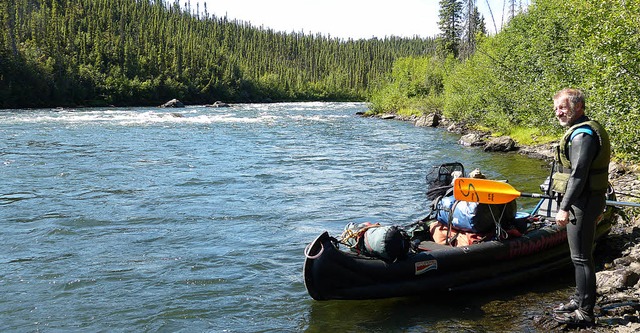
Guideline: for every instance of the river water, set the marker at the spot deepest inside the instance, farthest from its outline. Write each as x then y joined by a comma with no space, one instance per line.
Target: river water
195,219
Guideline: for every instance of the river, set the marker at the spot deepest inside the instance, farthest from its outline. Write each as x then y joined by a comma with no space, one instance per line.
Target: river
195,219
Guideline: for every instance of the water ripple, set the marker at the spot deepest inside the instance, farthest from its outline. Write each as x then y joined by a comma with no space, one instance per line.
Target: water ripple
9,198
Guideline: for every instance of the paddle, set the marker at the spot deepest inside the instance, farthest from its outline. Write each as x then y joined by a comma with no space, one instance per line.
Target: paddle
496,192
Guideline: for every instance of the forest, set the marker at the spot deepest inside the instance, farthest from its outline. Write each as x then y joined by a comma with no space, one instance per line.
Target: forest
145,52
506,82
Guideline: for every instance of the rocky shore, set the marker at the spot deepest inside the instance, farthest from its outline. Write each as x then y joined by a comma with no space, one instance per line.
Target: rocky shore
617,258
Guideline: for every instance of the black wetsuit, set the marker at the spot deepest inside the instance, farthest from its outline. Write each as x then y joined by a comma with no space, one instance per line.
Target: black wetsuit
586,207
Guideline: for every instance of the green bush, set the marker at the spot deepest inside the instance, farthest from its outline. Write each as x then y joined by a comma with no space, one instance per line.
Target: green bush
416,84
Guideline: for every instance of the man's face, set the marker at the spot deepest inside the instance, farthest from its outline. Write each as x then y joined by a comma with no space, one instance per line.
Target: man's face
564,112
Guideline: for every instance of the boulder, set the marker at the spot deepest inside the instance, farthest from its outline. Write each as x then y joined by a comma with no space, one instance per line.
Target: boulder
611,281
174,103
501,144
543,151
430,120
219,104
456,128
471,140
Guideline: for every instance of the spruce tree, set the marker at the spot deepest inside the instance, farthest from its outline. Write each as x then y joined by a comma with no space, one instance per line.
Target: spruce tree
450,25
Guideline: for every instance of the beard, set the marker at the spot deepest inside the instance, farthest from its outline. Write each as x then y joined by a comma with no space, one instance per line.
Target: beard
567,119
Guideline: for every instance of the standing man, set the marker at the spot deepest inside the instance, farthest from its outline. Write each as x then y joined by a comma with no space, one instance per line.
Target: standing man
581,181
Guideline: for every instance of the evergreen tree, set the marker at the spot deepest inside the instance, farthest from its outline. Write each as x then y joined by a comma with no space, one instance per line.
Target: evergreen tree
450,25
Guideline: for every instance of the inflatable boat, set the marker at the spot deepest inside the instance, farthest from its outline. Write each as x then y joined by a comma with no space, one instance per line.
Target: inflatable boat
333,270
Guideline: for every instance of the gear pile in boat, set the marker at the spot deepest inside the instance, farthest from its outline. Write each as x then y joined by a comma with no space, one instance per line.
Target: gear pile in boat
450,222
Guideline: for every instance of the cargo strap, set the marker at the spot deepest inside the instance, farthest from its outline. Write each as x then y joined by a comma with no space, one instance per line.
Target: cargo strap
500,232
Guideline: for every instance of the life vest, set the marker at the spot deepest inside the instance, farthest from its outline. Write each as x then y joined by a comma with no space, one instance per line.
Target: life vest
599,169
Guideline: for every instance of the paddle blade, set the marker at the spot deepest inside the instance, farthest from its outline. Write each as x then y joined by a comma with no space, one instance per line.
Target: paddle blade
483,191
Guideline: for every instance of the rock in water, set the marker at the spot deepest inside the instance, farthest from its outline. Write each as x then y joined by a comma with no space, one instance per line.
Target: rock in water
174,103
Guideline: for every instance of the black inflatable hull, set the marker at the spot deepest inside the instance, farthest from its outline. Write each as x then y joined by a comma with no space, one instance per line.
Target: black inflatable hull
330,273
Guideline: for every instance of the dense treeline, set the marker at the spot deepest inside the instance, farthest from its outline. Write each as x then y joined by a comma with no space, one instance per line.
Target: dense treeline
139,52
507,84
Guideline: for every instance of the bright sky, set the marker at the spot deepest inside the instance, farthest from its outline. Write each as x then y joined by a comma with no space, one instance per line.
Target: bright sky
346,18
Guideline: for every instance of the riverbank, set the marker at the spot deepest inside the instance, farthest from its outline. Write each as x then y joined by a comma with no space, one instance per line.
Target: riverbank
618,257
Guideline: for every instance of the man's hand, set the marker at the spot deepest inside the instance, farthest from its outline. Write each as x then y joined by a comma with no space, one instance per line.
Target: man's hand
562,217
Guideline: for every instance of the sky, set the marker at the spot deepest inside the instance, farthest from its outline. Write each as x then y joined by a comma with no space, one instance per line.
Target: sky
345,19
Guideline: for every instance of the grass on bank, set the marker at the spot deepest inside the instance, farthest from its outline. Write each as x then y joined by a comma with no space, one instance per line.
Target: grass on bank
530,136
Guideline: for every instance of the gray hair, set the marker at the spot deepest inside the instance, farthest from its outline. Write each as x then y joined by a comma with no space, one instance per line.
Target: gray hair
576,97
